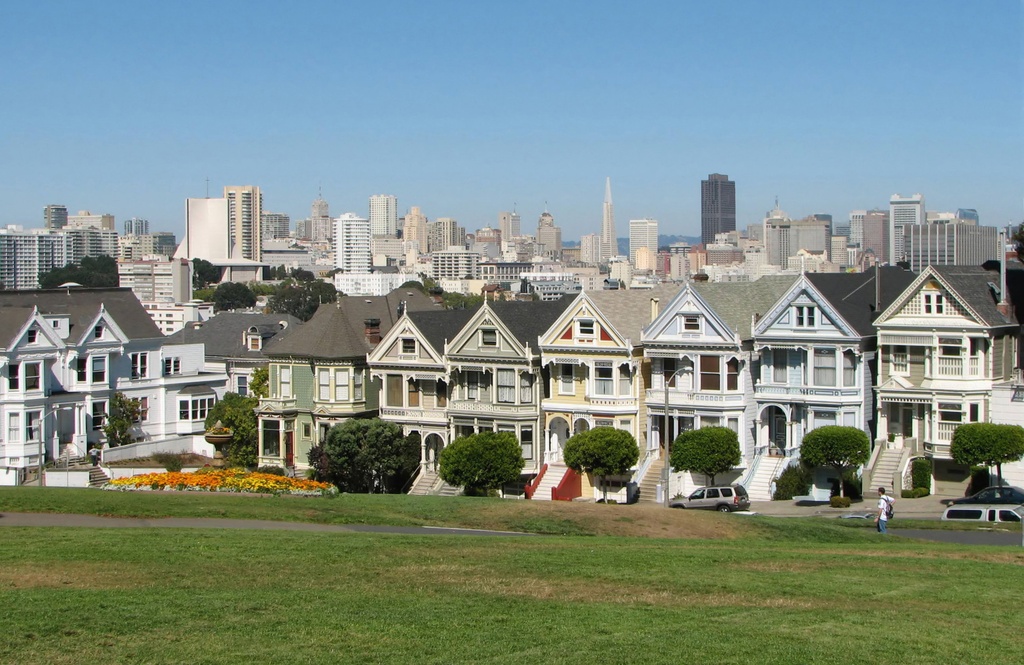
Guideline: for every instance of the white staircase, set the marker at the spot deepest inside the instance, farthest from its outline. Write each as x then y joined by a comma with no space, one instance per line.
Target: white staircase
759,486
883,472
428,482
551,478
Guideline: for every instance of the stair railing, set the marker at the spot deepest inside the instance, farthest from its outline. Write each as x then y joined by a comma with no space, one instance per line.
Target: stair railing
532,486
569,488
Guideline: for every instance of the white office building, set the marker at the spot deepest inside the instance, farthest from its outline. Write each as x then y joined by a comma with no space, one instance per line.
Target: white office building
642,233
384,215
903,210
352,243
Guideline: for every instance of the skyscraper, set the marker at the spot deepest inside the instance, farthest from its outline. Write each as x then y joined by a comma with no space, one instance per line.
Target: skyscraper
136,227
549,235
245,217
55,216
274,225
717,206
352,252
642,233
903,210
609,243
414,233
384,215
508,224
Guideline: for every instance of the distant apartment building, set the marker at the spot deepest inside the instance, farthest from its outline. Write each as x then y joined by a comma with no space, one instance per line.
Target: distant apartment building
245,216
590,249
274,225
384,215
874,237
903,211
24,255
414,231
55,216
86,220
455,263
784,237
717,206
509,224
136,226
444,232
156,278
87,241
132,247
949,243
549,235
643,233
352,244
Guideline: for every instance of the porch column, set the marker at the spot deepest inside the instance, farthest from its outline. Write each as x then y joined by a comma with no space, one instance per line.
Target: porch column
423,451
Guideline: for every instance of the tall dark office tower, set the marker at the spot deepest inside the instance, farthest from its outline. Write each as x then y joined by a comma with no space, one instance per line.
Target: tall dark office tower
717,206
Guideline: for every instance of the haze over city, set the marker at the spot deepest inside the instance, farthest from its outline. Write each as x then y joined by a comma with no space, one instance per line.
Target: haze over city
468,109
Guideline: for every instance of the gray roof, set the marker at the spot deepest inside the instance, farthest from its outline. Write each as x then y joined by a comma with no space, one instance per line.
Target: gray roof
737,302
529,320
338,330
81,305
977,287
629,311
441,325
853,294
224,334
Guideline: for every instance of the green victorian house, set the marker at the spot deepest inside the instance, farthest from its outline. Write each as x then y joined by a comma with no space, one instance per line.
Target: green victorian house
319,377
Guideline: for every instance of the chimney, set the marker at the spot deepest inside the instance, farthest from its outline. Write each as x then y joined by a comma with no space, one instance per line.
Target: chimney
372,331
654,308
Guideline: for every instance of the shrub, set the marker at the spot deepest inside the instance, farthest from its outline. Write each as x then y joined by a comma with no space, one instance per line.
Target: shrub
839,502
603,452
907,494
837,447
708,450
921,473
481,462
272,470
169,461
987,444
919,492
795,480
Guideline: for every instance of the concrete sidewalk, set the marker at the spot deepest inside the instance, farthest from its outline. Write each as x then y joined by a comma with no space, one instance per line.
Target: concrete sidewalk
929,507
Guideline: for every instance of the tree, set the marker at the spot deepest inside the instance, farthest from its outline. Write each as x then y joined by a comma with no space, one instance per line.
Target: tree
259,382
238,413
836,447
302,275
365,455
92,271
232,295
988,444
204,273
482,462
302,300
708,450
603,452
124,413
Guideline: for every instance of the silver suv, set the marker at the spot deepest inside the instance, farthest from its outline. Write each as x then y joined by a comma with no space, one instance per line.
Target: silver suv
723,499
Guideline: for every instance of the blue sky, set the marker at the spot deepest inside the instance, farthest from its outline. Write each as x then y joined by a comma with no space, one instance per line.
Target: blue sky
466,108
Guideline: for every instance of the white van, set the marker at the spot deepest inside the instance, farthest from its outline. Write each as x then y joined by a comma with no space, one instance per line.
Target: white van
981,513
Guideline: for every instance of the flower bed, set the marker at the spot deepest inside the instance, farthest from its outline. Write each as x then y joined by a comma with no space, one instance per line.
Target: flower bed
221,480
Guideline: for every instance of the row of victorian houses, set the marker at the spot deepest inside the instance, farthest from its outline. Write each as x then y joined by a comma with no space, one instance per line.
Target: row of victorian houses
904,357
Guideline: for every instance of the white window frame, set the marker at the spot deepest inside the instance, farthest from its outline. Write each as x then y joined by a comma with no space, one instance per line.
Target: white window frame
323,383
822,369
357,384
505,381
604,386
98,369
489,338
691,323
26,376
284,381
899,360
14,427
805,316
567,387
586,328
140,365
408,347
33,426
99,415
341,385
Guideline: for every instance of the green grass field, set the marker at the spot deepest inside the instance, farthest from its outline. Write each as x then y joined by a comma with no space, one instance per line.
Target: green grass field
735,590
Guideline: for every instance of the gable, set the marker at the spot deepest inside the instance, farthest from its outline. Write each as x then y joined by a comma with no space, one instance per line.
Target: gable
688,318
103,330
486,335
582,325
930,301
36,334
803,311
404,344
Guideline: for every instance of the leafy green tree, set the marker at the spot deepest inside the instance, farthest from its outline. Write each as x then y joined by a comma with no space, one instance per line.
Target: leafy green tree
302,275
987,444
238,413
481,462
460,301
206,295
836,447
124,414
603,452
233,295
259,382
708,450
302,300
204,274
95,271
366,455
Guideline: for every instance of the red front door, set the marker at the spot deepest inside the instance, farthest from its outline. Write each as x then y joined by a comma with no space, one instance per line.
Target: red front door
289,450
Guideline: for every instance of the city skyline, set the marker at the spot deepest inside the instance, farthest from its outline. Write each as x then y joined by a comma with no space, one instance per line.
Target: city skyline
497,126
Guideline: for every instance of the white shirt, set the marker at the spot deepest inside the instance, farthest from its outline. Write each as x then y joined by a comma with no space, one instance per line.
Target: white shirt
883,507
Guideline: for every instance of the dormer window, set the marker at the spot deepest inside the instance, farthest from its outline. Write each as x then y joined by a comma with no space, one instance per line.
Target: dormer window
691,323
32,337
408,346
489,338
585,328
805,316
255,342
97,332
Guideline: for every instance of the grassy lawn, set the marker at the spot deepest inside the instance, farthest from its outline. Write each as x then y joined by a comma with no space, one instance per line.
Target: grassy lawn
788,594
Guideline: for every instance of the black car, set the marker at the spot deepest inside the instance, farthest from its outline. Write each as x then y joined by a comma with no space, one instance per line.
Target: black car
1001,495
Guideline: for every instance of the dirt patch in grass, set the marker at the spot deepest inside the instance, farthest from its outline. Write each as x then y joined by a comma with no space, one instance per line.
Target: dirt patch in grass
187,459
81,576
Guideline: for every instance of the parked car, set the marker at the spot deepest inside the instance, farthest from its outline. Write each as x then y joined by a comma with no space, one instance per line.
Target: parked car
723,499
976,512
1000,495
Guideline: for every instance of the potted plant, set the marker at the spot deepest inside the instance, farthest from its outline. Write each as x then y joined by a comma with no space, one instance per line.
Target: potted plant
218,435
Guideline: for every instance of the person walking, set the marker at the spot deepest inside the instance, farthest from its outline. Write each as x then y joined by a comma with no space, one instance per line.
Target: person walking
94,455
882,518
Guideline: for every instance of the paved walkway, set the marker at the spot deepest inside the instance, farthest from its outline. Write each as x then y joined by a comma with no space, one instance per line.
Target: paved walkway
929,507
95,521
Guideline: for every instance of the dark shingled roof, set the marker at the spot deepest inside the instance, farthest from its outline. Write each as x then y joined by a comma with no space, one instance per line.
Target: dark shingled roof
441,325
971,284
224,334
337,330
529,320
81,305
630,310
737,302
853,294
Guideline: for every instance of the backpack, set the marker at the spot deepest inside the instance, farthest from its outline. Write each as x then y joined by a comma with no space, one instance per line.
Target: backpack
889,510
